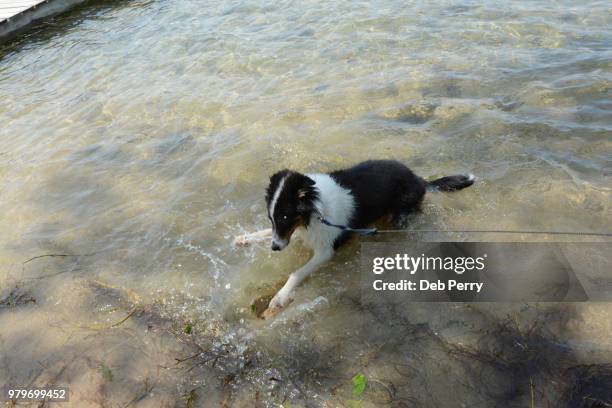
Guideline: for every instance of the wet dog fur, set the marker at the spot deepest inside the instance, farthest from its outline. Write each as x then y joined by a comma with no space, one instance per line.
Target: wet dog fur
356,197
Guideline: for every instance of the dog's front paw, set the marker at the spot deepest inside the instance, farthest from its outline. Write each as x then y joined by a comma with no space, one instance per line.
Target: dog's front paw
241,241
277,304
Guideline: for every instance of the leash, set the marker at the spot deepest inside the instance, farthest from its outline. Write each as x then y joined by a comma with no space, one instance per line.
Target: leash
374,231
360,231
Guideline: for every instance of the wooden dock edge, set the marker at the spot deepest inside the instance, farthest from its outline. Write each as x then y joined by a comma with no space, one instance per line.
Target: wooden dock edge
21,22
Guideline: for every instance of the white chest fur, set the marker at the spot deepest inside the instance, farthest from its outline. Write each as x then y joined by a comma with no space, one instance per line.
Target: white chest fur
335,204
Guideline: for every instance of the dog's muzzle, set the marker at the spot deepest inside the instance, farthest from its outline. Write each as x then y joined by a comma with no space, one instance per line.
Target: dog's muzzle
278,244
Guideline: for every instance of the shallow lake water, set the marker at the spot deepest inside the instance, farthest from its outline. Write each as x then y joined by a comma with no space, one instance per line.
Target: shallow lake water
136,140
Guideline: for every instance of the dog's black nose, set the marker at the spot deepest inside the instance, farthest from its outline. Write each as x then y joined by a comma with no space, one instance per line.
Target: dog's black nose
276,247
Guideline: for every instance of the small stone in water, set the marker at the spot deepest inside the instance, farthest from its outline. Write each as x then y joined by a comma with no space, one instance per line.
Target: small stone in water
260,305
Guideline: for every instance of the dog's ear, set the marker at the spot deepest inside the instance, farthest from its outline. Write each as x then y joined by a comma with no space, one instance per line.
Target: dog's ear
306,187
306,194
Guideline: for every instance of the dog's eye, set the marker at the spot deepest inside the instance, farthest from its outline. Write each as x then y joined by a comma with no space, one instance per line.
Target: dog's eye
283,220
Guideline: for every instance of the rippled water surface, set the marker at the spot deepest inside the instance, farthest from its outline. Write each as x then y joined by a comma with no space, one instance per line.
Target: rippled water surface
137,137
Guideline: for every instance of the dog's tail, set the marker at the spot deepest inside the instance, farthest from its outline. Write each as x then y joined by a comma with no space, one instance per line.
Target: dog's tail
451,183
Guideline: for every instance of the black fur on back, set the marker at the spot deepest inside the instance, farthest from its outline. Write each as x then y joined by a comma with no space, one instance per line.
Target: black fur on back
380,188
388,188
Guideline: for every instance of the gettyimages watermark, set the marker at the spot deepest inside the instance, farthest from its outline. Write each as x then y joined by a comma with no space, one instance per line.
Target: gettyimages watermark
487,272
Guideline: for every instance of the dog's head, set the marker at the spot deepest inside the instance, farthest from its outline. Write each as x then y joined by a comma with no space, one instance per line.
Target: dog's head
290,199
